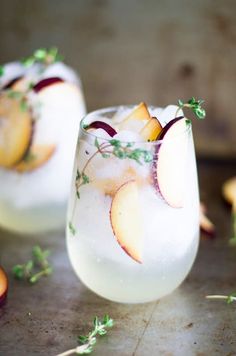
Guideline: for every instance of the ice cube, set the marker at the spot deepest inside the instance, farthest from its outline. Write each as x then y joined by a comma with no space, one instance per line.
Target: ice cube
168,114
61,70
121,114
11,71
128,136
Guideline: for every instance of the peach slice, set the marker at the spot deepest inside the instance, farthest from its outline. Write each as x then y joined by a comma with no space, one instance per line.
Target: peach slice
125,219
37,156
205,223
136,119
169,166
16,127
229,191
20,84
46,82
151,130
3,286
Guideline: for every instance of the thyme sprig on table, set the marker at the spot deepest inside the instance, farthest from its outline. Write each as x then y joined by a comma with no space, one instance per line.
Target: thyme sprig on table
113,148
194,105
44,56
87,342
232,240
35,268
228,298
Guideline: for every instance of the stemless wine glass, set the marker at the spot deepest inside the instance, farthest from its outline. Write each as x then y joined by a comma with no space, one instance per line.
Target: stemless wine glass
133,216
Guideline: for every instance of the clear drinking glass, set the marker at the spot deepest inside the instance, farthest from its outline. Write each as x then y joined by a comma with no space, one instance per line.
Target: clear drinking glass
133,216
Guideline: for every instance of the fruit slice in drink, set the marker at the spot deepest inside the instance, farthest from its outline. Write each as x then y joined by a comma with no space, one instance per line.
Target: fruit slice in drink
169,165
151,130
35,158
15,130
126,219
136,120
3,286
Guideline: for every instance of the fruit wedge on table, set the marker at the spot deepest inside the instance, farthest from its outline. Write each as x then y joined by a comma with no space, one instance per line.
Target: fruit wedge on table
136,120
151,130
35,158
169,165
16,128
125,219
3,286
205,223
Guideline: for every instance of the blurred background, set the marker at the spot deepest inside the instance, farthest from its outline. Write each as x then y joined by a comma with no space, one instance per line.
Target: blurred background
156,51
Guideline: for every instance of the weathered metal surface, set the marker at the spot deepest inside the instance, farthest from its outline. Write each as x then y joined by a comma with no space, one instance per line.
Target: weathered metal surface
184,323
128,51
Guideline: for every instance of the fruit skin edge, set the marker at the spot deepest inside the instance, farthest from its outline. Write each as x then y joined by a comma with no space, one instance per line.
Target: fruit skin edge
155,160
3,297
112,224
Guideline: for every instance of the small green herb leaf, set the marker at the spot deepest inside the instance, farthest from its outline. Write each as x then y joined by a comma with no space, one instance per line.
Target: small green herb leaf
1,71
194,105
87,342
72,228
44,56
34,269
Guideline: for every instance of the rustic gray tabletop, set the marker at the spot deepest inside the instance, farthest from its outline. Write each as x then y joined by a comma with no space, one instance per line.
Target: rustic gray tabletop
45,319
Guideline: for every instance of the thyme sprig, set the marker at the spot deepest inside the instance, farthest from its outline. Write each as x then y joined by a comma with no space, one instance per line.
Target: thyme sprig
232,240
35,268
228,298
87,342
194,105
1,71
113,148
18,95
44,56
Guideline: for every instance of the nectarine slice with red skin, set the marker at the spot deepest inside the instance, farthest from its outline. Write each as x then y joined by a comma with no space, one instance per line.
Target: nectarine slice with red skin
151,130
206,225
140,114
16,127
46,82
11,83
3,286
125,219
229,191
102,125
37,156
169,162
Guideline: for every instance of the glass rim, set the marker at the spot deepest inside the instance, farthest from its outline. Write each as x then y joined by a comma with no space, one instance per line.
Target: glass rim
85,133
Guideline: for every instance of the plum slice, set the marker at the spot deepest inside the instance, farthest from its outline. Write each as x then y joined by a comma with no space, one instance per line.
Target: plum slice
137,119
125,216
102,125
3,286
11,83
205,223
46,82
16,128
35,158
169,163
151,130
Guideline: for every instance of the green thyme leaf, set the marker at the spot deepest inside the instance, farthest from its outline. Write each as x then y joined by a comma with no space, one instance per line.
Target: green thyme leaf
194,105
96,143
44,56
85,178
72,228
1,71
34,269
23,105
